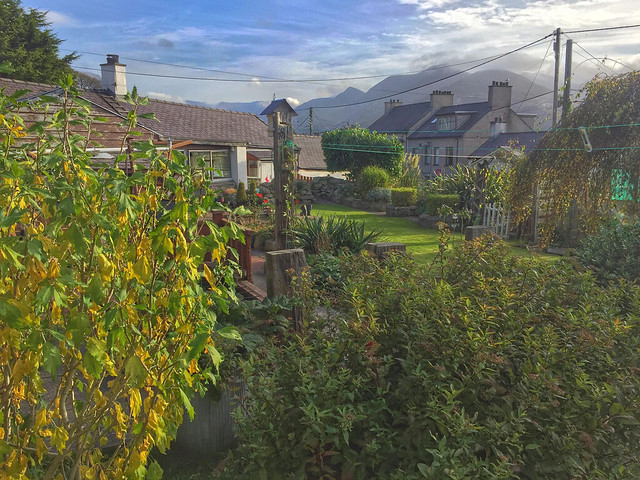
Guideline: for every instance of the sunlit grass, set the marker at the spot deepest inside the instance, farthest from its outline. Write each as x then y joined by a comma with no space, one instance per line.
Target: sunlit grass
421,242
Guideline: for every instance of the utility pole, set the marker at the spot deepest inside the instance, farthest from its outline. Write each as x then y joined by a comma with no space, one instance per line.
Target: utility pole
310,120
566,98
556,50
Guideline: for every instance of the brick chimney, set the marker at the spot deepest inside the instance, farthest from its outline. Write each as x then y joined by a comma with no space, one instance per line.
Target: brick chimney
114,76
391,104
439,99
499,95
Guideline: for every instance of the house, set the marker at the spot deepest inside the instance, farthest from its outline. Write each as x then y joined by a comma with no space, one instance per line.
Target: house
452,133
219,137
402,120
511,143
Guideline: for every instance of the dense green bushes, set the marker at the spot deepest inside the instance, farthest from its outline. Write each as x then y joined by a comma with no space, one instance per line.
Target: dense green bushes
491,367
321,235
614,251
371,177
404,196
432,202
352,149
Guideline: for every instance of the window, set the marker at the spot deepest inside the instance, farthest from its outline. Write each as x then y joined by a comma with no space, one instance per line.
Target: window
214,163
436,155
252,167
446,123
449,156
427,153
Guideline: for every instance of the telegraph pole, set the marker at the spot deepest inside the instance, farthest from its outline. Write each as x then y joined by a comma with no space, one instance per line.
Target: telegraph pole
556,50
566,98
310,120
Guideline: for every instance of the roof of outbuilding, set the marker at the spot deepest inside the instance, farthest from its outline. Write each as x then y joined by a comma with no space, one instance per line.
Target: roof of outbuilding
400,119
428,128
311,154
528,140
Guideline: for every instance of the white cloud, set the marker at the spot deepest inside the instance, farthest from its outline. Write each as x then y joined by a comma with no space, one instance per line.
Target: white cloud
166,97
294,102
59,19
427,4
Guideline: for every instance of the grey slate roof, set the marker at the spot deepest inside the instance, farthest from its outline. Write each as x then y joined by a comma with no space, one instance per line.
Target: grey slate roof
428,129
280,105
175,121
311,155
401,119
528,140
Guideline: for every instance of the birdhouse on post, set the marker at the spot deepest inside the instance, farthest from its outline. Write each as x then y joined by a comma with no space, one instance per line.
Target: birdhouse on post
280,115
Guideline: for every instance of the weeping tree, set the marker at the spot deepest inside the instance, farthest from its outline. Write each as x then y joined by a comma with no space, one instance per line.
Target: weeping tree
589,165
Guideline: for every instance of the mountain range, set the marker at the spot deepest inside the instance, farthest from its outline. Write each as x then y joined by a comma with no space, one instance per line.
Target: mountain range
353,106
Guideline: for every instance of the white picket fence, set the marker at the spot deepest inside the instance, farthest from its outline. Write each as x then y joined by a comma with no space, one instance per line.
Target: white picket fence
496,218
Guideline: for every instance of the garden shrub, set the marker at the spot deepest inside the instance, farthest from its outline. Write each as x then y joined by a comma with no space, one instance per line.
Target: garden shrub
491,367
371,177
411,175
613,252
102,310
432,202
403,197
241,194
252,189
321,235
325,271
378,194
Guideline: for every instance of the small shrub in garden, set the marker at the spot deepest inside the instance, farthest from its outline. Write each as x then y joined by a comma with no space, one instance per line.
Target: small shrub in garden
371,177
241,194
325,271
497,368
613,252
252,190
403,197
411,175
379,194
432,202
321,235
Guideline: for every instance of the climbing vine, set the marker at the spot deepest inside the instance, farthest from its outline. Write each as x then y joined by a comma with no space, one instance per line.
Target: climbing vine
591,161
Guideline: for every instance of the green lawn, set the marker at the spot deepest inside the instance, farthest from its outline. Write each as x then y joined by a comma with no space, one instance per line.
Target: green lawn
421,242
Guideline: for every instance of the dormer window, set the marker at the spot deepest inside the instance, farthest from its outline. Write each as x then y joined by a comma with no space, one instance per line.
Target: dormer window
447,123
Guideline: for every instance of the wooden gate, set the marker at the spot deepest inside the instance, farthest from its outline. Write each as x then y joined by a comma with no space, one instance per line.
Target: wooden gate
496,218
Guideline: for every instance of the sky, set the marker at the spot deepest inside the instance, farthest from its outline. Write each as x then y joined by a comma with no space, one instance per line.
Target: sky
330,41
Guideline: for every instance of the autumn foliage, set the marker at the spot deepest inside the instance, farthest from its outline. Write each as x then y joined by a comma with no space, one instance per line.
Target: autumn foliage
103,316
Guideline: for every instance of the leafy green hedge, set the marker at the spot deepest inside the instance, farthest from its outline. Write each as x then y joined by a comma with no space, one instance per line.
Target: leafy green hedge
493,367
371,177
614,251
433,201
404,196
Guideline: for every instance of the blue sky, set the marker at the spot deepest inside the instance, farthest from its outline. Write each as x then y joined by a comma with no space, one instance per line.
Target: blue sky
328,39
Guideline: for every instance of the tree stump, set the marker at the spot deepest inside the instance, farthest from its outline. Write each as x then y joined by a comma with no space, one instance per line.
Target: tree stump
280,266
380,249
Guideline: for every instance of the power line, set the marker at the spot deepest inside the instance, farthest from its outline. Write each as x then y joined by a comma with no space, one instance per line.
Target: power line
284,80
536,76
255,78
620,27
443,78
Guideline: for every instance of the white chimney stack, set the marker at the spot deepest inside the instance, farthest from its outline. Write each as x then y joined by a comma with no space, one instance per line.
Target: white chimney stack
114,76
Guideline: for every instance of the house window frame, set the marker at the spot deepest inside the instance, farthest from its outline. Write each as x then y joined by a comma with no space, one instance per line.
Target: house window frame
436,156
212,170
449,156
446,123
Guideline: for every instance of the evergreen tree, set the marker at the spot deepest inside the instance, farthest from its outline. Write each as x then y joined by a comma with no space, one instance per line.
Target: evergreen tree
29,45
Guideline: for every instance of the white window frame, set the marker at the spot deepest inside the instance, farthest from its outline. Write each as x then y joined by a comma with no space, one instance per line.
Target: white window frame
211,170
